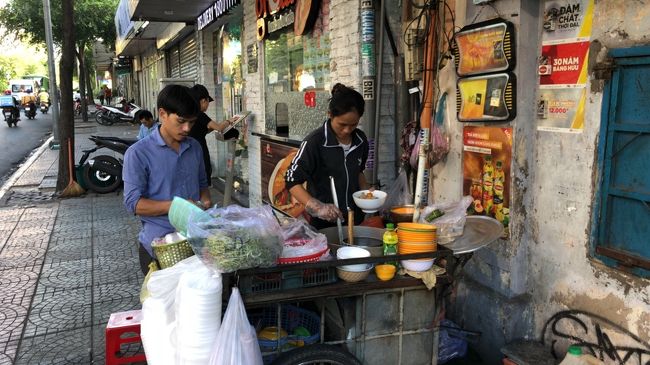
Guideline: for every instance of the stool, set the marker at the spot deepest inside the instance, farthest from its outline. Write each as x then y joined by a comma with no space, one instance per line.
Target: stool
123,328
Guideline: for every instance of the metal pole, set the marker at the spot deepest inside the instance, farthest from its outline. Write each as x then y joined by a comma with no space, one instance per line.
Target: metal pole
380,70
54,96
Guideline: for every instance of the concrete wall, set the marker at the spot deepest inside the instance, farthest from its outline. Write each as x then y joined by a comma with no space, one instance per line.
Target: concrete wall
513,287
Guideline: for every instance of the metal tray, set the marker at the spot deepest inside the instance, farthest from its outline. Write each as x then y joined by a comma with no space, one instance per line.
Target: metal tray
479,232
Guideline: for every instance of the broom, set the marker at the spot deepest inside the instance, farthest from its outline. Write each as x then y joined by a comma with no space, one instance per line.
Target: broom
73,189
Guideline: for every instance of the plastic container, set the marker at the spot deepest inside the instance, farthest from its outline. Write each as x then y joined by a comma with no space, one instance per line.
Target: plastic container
390,240
290,279
575,356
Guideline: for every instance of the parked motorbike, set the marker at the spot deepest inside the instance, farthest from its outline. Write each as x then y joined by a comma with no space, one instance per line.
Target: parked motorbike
10,116
109,115
103,173
30,110
44,108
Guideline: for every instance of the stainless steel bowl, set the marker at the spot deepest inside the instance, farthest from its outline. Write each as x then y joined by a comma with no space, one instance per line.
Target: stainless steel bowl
369,238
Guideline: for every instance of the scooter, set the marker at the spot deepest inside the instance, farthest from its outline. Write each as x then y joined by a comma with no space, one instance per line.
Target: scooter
30,110
10,116
109,115
44,108
103,173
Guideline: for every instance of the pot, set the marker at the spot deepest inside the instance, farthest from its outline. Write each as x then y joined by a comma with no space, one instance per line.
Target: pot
402,213
366,237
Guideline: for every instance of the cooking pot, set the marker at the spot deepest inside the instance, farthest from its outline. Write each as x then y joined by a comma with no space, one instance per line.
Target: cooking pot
369,238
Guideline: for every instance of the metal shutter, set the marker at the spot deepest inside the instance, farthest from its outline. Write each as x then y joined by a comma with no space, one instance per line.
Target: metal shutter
189,58
174,62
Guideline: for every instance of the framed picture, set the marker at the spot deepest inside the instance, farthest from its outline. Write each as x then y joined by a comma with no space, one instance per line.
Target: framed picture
486,98
484,47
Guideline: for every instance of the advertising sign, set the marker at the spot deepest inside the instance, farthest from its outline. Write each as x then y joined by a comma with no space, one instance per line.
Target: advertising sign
276,158
567,61
567,21
484,47
561,110
486,98
487,156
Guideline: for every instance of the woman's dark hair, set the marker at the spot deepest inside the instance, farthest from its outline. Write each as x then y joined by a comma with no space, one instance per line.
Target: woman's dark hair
178,99
344,100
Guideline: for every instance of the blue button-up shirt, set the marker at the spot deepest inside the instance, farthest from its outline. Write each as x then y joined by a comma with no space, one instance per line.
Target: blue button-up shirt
144,131
155,171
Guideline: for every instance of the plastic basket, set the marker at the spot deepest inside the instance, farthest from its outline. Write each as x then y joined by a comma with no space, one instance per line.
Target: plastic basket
171,253
291,279
291,318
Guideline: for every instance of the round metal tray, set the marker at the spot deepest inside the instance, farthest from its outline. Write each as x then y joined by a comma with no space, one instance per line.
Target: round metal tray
479,232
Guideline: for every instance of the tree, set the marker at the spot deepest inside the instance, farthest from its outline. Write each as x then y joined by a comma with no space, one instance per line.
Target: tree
66,129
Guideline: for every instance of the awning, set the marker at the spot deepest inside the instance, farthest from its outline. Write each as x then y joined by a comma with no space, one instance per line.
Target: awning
168,10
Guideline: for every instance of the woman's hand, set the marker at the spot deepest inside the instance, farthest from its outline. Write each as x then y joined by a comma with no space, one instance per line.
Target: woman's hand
328,212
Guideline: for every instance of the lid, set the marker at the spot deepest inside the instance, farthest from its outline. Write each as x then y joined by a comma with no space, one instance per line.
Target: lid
574,350
390,226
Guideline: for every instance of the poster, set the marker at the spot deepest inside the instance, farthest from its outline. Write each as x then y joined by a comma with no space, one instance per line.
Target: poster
561,109
567,21
276,158
487,156
567,61
483,48
486,98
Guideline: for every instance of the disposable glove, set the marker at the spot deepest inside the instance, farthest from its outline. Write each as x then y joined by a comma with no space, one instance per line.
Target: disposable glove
328,212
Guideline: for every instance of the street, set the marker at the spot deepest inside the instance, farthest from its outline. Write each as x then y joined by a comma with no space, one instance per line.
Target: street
17,142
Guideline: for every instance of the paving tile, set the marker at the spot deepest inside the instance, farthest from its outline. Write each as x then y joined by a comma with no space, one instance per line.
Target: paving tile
16,257
61,348
12,321
58,310
72,234
115,297
30,231
69,250
17,286
70,274
9,353
35,240
11,214
111,269
46,211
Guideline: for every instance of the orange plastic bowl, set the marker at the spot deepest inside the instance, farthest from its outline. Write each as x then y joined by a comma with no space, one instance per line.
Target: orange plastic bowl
416,237
416,227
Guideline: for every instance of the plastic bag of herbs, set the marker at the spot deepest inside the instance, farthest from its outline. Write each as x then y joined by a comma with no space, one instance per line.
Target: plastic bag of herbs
236,238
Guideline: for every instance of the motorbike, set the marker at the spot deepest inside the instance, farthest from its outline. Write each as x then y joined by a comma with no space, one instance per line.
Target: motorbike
44,108
120,113
103,173
30,110
77,106
10,116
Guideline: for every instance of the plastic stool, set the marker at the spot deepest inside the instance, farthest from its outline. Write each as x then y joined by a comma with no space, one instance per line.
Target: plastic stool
123,328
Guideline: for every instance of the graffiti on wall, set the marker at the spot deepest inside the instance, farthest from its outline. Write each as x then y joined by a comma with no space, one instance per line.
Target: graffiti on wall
594,334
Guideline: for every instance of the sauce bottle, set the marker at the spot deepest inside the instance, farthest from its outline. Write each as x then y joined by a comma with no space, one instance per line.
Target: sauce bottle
390,242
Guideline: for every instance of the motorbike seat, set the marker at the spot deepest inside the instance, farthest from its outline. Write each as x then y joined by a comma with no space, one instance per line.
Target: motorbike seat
126,141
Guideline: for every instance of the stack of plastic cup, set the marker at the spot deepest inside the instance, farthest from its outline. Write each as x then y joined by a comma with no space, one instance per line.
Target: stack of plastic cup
198,316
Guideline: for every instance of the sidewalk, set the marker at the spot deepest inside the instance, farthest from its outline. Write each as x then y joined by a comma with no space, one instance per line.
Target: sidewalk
65,264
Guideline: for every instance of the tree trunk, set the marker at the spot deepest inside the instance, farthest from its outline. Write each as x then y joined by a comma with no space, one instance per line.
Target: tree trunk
90,83
66,117
82,81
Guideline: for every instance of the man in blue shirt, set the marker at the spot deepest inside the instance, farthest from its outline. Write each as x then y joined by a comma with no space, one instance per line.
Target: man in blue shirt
147,124
164,165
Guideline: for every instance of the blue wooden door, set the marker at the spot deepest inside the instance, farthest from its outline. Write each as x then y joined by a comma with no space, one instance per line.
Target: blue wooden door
623,224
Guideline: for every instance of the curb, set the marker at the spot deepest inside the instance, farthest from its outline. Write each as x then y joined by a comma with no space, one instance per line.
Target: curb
21,170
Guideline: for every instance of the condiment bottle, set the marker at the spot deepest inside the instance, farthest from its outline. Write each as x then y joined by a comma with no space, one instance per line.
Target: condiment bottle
390,242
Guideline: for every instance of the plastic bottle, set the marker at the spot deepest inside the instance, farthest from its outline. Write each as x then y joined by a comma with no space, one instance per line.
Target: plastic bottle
390,242
575,356
488,185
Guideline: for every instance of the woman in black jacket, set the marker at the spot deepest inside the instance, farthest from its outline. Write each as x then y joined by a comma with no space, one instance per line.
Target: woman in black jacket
338,149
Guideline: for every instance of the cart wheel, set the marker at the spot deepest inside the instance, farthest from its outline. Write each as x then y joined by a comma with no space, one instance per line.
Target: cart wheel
317,354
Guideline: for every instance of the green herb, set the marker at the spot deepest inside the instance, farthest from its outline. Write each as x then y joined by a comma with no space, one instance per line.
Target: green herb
437,213
230,250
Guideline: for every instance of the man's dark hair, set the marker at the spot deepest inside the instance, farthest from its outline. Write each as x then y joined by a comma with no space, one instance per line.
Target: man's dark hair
178,99
143,114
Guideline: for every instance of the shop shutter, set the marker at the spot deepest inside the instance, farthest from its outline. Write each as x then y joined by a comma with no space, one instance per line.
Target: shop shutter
189,57
622,228
174,62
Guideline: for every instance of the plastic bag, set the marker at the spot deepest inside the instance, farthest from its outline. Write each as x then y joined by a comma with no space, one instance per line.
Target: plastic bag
236,238
299,240
450,345
451,224
236,342
439,137
144,292
399,193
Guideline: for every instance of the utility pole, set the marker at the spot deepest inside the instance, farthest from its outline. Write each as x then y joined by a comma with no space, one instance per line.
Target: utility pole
54,90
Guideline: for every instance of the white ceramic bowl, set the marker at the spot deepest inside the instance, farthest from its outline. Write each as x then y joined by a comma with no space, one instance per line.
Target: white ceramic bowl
417,265
351,252
370,205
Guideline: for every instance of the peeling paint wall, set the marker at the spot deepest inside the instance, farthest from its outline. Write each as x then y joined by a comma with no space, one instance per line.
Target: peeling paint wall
546,263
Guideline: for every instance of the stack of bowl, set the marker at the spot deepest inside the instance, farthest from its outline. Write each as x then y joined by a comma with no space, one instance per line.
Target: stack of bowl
416,238
353,273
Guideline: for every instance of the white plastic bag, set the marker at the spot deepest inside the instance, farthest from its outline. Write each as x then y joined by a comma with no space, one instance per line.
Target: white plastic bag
299,240
451,224
399,193
237,341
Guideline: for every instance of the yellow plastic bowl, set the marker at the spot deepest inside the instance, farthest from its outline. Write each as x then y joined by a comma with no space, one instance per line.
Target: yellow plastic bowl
416,227
385,272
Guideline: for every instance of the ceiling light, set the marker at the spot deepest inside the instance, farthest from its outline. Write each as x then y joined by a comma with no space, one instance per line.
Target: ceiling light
168,12
145,24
